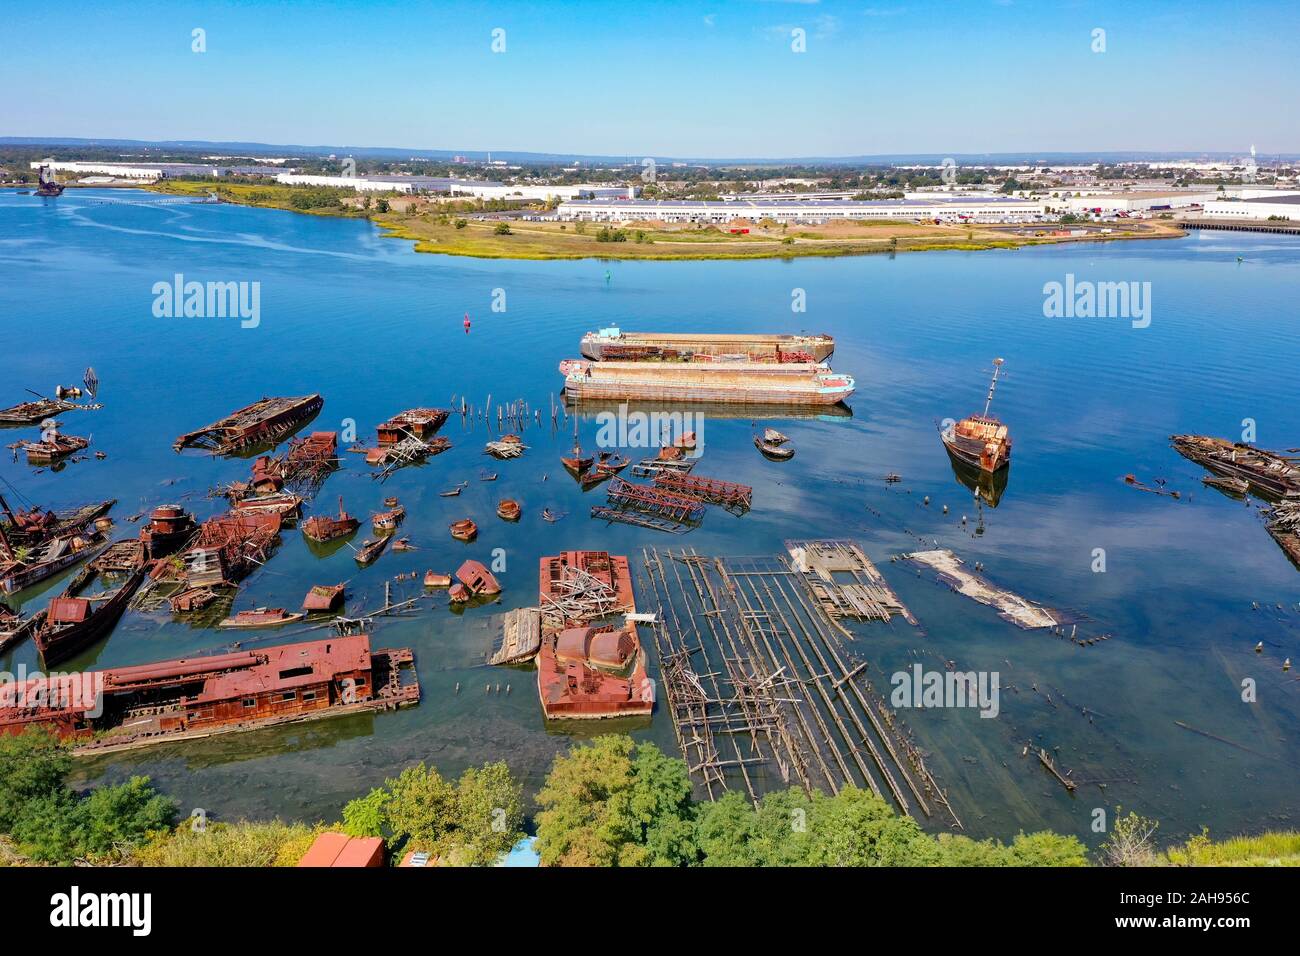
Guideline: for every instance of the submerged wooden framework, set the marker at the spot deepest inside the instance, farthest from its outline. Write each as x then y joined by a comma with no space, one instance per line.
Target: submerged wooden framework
763,692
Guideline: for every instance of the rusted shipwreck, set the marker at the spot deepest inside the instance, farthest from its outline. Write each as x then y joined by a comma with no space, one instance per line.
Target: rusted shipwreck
264,422
188,698
1272,475
589,667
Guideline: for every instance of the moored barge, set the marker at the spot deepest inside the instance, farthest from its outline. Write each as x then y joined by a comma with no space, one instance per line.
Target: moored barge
195,697
264,422
613,344
797,383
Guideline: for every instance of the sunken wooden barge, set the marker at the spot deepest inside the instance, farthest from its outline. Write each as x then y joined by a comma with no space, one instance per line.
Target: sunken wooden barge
613,344
761,383
1271,475
189,698
264,422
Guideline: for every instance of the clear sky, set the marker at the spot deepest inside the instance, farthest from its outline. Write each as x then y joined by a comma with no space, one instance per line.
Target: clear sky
645,78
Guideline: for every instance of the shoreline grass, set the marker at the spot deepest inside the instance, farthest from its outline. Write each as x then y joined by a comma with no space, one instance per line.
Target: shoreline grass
431,231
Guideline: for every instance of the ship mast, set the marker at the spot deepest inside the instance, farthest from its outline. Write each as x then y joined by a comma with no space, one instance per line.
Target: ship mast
997,367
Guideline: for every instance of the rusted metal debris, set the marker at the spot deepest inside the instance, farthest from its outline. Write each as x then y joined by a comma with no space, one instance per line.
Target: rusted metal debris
420,423
654,502
408,451
1272,474
730,495
264,422
653,467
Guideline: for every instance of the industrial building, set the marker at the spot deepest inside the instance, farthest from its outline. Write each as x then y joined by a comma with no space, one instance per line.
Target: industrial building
1110,203
963,208
1259,207
476,188
153,171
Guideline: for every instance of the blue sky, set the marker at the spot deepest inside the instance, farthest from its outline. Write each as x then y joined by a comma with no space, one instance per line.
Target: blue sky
665,78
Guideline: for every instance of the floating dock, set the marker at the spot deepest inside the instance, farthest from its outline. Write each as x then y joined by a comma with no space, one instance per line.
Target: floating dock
753,383
613,344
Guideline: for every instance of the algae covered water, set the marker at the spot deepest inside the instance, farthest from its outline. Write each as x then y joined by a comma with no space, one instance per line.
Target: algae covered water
1175,716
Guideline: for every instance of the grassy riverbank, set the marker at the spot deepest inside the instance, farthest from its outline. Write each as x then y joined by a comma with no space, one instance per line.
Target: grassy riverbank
434,229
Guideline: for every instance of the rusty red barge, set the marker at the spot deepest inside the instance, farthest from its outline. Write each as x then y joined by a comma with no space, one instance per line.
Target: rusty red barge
195,697
264,422
587,670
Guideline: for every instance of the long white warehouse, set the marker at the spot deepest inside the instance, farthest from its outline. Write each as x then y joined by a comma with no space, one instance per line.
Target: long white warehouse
968,208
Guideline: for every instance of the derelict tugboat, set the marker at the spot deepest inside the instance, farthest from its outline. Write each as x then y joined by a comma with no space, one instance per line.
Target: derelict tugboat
47,185
980,441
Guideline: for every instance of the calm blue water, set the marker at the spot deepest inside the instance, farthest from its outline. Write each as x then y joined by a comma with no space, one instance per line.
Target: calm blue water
376,328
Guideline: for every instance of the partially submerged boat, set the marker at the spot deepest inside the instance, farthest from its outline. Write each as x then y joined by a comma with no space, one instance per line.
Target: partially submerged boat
283,503
774,451
509,510
323,528
388,520
33,413
475,576
370,550
22,567
261,617
35,524
206,695
92,604
432,579
324,597
264,422
1273,475
1227,483
16,628
464,530
419,423
980,440
53,447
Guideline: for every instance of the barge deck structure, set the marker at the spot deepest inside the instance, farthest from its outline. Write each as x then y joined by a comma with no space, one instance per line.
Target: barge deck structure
421,423
265,422
587,667
189,698
33,413
613,344
1272,475
754,383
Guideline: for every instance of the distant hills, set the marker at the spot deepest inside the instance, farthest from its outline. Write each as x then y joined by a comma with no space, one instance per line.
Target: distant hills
478,155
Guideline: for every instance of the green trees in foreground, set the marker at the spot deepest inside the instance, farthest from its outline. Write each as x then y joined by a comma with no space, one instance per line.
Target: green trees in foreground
48,822
610,802
615,803
470,822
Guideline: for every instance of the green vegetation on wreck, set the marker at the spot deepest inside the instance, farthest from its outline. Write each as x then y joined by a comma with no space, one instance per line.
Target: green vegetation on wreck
610,802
